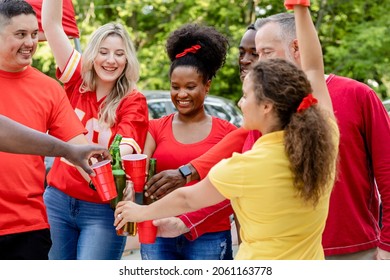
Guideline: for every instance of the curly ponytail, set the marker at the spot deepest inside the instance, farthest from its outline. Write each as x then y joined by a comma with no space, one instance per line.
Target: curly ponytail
308,134
309,146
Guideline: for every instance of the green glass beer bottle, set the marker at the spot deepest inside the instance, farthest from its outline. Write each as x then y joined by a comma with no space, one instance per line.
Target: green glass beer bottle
120,183
151,171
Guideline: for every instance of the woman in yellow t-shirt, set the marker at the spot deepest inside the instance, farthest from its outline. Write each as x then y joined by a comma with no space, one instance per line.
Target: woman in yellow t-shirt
280,189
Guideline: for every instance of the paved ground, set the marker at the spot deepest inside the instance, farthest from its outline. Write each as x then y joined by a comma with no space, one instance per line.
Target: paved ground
132,246
134,254
131,255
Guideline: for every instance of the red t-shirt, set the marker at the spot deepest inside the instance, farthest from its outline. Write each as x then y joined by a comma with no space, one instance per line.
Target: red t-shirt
46,109
171,154
132,123
364,168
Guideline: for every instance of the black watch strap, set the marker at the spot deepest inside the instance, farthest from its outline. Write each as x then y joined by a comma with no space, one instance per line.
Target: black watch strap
186,173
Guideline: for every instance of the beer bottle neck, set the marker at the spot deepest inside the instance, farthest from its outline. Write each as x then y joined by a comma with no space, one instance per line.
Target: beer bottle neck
116,161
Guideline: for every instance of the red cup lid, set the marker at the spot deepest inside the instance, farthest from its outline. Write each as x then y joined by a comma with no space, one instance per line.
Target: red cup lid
134,157
100,163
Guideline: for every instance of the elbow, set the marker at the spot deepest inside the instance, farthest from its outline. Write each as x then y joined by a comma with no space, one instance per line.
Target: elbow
46,23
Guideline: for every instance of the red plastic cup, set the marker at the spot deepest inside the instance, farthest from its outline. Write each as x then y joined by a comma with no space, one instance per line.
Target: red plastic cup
104,180
147,232
135,168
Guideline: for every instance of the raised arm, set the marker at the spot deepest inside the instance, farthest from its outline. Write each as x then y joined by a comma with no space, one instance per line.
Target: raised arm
54,32
311,56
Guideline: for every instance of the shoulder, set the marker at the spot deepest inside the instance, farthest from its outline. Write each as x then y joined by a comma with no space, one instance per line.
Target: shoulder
42,76
346,84
156,125
163,120
135,95
133,101
344,90
45,82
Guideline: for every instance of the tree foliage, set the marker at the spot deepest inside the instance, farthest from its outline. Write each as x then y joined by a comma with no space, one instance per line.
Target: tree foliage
355,35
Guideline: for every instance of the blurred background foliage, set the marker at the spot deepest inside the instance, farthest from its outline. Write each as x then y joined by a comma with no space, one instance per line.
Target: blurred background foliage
355,35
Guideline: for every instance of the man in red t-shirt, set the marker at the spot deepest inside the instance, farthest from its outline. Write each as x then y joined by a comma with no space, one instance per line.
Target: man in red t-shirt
39,102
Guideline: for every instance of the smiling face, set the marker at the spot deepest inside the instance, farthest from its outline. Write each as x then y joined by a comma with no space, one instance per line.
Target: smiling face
247,52
110,61
188,90
269,44
249,106
19,41
258,114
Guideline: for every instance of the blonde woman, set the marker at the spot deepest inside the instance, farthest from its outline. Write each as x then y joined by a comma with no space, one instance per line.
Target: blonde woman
101,86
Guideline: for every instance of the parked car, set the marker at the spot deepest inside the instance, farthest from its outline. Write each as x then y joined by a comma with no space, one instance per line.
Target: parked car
160,104
386,103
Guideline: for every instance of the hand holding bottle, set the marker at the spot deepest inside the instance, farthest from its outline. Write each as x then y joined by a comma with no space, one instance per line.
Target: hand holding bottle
120,182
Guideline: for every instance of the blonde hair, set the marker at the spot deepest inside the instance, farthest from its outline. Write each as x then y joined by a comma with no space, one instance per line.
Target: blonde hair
125,83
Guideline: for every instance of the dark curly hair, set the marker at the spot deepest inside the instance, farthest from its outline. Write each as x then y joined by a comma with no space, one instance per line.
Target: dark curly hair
308,134
208,59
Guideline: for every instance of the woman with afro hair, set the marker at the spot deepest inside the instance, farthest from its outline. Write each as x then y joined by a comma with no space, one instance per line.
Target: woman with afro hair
196,53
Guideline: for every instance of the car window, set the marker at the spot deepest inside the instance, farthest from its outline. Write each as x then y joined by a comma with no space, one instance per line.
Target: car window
387,106
218,111
159,108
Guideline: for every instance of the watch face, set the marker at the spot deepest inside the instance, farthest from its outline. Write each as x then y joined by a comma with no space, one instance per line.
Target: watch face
185,171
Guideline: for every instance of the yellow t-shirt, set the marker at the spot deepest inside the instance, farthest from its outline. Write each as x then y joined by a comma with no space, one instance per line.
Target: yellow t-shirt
275,222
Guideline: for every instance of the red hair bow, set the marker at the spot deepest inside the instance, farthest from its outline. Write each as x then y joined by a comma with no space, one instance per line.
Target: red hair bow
193,49
306,102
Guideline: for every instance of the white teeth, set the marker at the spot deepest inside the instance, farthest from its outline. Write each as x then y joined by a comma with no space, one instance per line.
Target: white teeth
25,52
109,68
183,102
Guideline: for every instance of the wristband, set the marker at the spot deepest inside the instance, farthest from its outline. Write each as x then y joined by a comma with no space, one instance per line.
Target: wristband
289,4
186,172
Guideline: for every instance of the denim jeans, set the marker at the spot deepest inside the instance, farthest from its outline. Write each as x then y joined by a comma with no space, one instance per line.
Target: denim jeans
80,229
209,246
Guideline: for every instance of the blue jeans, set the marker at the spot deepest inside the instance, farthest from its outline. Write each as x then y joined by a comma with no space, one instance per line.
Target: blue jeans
81,230
209,246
